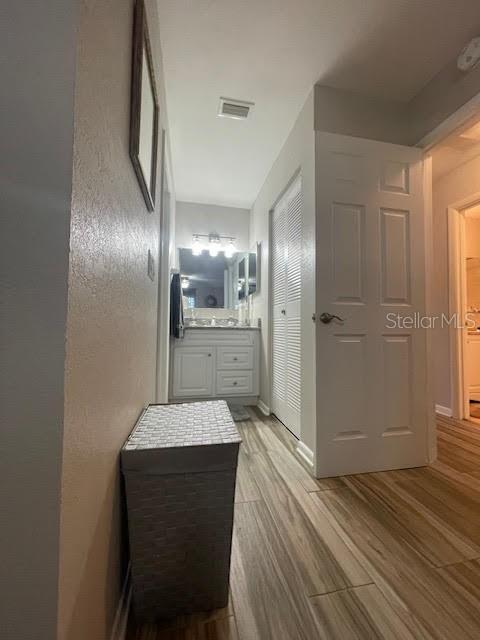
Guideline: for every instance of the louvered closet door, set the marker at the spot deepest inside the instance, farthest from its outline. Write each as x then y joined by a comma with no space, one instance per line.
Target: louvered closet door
286,305
279,293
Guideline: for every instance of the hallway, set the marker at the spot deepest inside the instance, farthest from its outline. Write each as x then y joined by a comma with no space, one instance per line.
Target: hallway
384,555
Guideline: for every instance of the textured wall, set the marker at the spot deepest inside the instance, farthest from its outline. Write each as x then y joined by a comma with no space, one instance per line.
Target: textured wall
36,133
111,334
297,153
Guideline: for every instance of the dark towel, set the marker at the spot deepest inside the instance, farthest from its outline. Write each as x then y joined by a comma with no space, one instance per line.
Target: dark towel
176,307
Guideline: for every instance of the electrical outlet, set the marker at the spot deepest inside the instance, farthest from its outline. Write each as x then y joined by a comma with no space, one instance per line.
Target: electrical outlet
151,266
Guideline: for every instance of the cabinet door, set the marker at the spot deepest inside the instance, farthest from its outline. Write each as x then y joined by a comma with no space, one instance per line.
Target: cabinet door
473,367
193,372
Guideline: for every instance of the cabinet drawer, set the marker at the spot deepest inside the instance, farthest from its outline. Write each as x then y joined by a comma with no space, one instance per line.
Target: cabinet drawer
235,357
232,383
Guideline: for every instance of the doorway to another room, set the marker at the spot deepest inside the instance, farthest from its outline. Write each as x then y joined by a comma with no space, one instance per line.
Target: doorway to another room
456,235
464,241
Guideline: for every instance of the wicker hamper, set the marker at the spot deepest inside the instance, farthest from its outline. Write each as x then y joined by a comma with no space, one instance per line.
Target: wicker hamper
180,465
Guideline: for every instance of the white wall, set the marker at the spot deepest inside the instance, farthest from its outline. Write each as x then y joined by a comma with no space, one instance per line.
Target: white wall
298,153
36,132
192,217
447,190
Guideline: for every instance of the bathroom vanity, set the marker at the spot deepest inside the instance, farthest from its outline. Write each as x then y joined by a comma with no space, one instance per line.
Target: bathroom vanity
216,362
473,365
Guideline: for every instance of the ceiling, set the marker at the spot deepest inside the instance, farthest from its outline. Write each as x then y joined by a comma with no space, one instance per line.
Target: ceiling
271,52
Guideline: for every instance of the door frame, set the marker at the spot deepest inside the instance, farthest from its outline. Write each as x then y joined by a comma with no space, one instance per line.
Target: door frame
165,262
429,306
456,301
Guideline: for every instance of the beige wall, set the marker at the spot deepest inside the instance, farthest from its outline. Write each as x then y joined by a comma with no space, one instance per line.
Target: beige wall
472,251
472,237
112,305
352,114
36,130
297,153
443,95
192,217
447,190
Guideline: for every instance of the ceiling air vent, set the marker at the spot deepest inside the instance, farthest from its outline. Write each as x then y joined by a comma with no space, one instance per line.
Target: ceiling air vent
236,109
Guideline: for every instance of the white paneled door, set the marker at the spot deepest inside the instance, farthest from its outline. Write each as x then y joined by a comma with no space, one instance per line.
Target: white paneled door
373,409
286,279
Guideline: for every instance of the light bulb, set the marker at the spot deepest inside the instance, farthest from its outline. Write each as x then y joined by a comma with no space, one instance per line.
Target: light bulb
196,246
230,249
214,246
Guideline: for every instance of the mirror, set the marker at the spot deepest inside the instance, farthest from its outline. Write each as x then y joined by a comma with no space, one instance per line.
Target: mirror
217,282
242,280
252,271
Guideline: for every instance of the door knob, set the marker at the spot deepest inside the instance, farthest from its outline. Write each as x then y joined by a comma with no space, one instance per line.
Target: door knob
283,312
326,318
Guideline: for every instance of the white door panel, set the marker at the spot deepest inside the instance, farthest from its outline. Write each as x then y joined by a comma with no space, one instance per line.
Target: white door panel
371,379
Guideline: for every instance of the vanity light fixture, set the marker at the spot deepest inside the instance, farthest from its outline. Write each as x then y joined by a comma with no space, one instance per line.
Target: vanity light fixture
215,243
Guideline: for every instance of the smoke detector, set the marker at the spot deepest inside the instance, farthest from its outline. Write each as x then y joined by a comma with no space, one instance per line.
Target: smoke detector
236,109
470,55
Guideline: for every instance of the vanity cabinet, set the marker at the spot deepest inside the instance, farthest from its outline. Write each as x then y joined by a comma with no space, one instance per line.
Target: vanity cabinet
215,362
473,366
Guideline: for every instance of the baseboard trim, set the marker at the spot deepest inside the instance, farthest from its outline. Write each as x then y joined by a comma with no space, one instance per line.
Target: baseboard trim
119,629
263,408
443,411
305,453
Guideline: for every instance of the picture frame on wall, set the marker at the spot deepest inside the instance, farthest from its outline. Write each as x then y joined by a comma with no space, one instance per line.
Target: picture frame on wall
144,109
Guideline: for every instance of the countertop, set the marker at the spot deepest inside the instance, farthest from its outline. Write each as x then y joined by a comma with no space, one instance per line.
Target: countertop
236,327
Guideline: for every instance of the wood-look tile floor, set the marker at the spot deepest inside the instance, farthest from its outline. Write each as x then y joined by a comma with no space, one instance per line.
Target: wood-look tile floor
392,555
